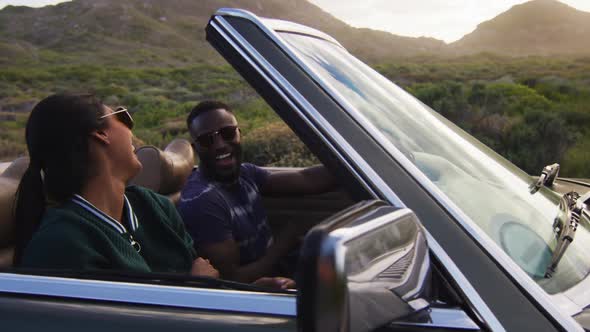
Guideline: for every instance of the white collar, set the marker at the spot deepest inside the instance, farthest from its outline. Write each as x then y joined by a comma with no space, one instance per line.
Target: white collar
129,216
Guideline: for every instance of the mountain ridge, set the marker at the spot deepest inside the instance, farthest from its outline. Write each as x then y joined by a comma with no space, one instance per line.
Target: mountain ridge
165,31
170,33
538,27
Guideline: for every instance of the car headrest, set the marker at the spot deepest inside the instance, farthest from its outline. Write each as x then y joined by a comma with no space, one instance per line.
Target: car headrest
9,181
165,171
16,169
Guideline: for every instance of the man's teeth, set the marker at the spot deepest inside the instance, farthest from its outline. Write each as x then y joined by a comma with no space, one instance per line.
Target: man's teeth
222,156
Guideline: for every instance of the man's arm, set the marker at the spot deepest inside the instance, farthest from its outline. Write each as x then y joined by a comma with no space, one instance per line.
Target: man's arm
225,256
311,180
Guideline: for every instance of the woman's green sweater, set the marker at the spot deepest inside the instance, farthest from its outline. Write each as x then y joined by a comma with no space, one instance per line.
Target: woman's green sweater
70,237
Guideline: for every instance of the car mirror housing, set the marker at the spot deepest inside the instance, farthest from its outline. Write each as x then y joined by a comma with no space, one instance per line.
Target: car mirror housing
363,268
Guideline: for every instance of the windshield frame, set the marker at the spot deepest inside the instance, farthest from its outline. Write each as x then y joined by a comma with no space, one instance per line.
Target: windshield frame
315,53
272,28
317,123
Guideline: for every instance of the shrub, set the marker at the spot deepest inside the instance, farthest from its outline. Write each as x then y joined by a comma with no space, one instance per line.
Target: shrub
276,145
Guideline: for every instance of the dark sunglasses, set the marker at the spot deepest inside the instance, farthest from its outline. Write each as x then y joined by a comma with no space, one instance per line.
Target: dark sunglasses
122,115
228,134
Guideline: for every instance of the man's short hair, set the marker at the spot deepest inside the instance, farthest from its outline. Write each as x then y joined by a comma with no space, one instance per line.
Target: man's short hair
205,106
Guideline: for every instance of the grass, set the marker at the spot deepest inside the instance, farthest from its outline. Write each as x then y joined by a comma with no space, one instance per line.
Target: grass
476,92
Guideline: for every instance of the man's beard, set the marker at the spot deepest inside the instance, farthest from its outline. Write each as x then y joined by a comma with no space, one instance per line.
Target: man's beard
207,166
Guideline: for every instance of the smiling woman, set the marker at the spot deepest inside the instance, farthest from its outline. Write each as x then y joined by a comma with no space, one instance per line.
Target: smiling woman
81,158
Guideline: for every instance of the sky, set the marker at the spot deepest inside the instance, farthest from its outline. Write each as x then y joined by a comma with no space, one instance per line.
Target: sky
448,20
30,3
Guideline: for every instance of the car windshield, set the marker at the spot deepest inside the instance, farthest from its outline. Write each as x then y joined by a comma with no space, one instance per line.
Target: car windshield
487,188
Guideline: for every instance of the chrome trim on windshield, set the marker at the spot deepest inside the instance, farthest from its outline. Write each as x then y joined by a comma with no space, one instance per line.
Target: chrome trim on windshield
278,25
477,304
511,269
177,296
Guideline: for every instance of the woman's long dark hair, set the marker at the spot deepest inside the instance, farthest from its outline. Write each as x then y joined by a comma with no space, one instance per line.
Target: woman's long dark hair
57,135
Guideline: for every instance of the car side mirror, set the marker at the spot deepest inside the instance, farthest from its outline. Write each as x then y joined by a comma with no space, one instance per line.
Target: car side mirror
363,268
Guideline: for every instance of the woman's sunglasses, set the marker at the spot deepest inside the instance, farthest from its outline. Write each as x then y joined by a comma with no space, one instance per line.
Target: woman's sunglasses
122,115
228,134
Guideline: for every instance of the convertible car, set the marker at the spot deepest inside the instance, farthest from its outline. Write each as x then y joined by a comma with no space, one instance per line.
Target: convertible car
432,230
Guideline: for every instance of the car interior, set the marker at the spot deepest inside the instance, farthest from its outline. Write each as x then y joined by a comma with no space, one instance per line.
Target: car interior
165,171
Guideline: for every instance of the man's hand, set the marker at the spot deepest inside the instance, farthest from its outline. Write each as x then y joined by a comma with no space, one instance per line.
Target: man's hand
225,256
275,283
202,267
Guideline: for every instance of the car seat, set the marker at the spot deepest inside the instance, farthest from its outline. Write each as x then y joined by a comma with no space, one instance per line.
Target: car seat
165,171
9,181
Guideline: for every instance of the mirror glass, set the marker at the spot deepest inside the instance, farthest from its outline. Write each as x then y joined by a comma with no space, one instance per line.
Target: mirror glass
363,268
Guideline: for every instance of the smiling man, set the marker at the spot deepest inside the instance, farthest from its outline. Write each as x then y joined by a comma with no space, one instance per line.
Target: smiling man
221,202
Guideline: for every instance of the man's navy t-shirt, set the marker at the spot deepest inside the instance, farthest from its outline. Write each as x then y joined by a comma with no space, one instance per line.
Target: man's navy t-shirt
214,212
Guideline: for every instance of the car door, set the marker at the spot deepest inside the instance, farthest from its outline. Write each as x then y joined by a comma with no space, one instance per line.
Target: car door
330,128
32,302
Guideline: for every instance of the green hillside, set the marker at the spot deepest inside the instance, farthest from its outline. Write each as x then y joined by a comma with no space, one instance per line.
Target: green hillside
169,33
151,56
534,111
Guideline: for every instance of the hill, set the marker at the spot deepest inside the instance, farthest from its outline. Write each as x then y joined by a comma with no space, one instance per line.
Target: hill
151,55
159,32
539,27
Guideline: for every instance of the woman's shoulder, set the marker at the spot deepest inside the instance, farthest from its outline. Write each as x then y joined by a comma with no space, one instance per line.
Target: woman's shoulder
61,224
63,240
63,217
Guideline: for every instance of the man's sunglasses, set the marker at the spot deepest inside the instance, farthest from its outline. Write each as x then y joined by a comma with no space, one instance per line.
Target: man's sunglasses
122,115
228,134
